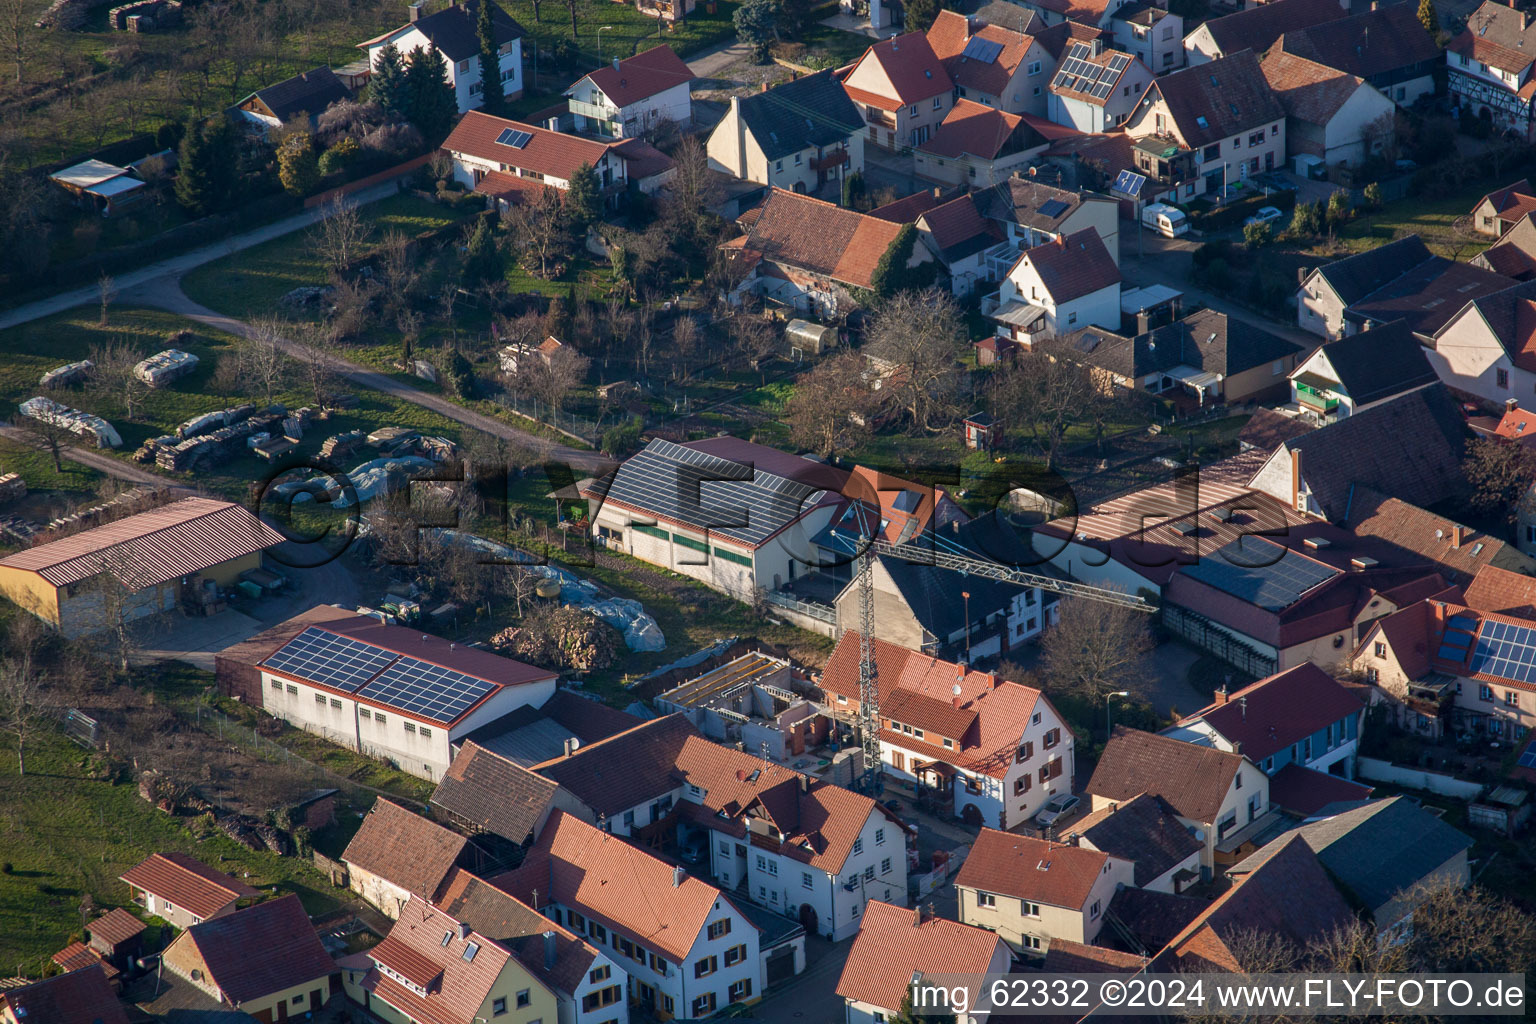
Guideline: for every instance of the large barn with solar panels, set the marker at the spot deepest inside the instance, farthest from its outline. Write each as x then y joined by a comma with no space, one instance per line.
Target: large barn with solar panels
392,692
729,513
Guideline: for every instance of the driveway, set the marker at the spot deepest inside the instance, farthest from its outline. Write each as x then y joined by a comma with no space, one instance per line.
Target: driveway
94,459
811,996
884,169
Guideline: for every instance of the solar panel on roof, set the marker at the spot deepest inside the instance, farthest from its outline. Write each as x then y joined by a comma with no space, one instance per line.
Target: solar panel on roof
1528,759
1457,654
1506,651
431,691
1462,622
1239,570
330,659
1119,62
984,50
1053,208
514,138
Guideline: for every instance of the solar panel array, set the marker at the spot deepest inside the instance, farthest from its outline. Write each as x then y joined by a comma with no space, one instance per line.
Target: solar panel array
514,138
708,492
1457,639
1507,651
1079,73
327,658
984,50
1129,183
430,691
1054,208
374,673
1240,569
1528,759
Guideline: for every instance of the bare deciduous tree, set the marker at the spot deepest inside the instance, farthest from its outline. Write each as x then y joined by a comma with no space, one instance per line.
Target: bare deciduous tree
832,406
551,380
916,336
50,436
1095,648
1045,393
117,607
16,31
22,696
112,375
106,291
264,366
538,231
339,239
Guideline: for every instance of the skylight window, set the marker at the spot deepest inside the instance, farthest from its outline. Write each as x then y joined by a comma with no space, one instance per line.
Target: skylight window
470,951
1201,121
447,938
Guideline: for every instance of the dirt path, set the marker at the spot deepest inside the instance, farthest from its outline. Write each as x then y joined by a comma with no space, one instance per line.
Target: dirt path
95,460
166,294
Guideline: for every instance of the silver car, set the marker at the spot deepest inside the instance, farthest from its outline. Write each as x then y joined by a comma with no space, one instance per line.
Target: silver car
1056,808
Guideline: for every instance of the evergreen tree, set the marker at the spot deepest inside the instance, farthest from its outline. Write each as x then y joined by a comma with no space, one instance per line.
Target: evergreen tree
757,25
583,199
387,86
207,168
891,275
490,58
430,96
1429,17
482,262
298,168
920,14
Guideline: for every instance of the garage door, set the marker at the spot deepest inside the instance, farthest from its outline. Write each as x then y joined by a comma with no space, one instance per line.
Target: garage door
265,1016
781,965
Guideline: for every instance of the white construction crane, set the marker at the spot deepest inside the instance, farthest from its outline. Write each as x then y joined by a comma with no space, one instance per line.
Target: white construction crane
869,684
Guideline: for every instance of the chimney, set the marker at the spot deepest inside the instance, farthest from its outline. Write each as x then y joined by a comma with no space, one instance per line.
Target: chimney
917,915
549,951
463,930
1242,707
1511,404
570,745
1220,697
1237,748
415,10
765,87
1456,535
615,63
1295,475
678,874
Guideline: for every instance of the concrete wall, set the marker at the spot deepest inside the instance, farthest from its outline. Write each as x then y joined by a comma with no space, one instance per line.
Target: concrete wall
1417,778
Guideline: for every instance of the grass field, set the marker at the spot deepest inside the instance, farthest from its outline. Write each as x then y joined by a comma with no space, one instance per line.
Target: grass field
1432,219
250,283
27,351
64,834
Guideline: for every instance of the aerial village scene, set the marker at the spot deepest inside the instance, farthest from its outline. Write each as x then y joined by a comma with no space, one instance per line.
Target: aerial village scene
628,511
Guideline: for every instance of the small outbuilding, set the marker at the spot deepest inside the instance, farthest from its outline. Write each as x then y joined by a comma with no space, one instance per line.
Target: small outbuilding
809,339
97,185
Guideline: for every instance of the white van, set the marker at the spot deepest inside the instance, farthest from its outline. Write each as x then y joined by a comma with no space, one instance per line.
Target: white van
1168,221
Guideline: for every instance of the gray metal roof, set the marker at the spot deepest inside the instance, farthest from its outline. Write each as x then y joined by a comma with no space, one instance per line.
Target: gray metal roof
1383,848
709,493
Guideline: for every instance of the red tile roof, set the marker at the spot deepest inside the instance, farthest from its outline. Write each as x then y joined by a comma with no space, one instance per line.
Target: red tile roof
1067,957
1308,91
891,947
1192,779
619,885
115,927
79,997
1518,425
260,950
1073,265
1497,35
910,64
974,129
1003,709
521,929
816,236
1306,791
511,187
1031,869
553,153
1288,895
77,956
178,539
639,77
1512,201
1279,710
404,848
187,882
1457,551
948,36
643,160
1502,591
1407,630
907,209
415,947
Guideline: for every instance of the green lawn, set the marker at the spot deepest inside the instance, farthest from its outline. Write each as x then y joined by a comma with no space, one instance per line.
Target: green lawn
64,834
1432,219
30,349
36,468
250,283
629,33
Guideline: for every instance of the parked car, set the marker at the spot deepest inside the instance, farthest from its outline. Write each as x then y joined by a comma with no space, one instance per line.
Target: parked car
696,848
1266,215
1056,808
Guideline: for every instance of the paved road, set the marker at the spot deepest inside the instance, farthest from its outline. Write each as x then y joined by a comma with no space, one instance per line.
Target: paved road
717,58
128,284
97,461
811,998
166,293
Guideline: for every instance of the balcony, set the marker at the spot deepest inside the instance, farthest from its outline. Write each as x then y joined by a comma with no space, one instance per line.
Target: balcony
830,159
1315,397
874,116
1164,159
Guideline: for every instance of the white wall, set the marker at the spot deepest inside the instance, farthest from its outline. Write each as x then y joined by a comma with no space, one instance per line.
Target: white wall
593,110
463,75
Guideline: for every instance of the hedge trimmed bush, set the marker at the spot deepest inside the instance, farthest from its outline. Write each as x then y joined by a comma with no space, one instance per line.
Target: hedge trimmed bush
1233,214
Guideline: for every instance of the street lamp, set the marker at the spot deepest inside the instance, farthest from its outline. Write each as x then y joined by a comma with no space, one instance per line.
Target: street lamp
1108,729
600,32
